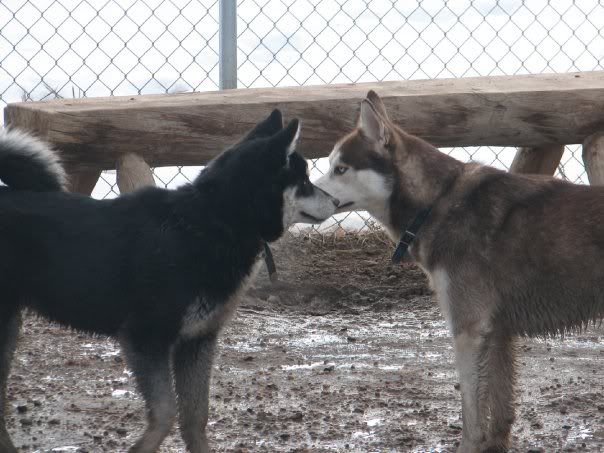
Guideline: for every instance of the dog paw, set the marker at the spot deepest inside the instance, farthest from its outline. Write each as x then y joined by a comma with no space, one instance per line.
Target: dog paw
494,447
468,447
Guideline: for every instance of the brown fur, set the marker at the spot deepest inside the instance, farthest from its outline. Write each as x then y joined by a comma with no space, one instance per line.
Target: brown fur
508,255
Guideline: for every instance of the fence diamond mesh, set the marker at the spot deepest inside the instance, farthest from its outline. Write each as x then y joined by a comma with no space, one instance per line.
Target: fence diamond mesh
82,48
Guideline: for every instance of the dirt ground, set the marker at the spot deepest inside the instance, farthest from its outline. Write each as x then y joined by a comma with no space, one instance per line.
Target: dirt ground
347,352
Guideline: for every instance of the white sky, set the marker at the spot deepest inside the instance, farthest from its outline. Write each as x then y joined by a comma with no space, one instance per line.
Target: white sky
123,47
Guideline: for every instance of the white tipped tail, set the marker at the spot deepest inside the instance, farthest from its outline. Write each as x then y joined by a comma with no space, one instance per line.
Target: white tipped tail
27,163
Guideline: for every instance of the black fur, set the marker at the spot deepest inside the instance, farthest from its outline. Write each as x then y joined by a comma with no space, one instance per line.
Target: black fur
28,164
131,267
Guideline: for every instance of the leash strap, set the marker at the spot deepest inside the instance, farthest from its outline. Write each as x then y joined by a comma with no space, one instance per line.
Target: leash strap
409,235
270,263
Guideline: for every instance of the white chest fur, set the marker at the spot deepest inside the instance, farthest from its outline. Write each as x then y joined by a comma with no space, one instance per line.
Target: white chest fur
205,316
440,282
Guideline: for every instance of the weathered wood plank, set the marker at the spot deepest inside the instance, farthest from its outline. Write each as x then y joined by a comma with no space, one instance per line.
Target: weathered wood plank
593,158
543,160
190,128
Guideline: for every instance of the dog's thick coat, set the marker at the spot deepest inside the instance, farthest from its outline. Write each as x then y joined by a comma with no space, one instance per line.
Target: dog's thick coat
159,270
506,254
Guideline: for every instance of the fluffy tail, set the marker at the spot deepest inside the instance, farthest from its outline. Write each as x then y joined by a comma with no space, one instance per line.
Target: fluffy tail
29,164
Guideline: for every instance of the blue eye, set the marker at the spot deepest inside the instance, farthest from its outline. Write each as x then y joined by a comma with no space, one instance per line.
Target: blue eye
340,170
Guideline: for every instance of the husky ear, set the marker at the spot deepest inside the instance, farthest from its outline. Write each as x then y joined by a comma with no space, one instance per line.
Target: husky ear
287,138
267,127
371,124
378,104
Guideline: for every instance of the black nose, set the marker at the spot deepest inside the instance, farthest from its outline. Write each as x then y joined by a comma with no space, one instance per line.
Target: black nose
335,202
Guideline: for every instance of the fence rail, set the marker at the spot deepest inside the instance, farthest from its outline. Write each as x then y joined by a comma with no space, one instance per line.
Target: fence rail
192,128
80,48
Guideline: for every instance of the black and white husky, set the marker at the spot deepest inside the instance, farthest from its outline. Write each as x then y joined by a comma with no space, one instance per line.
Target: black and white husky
159,270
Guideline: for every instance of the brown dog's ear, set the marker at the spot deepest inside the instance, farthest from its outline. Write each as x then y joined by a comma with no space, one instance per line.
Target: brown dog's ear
378,104
372,125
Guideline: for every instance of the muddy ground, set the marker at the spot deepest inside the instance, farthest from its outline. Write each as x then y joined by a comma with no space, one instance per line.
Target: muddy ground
348,352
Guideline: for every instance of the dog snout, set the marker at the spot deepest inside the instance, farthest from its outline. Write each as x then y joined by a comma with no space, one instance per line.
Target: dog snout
335,202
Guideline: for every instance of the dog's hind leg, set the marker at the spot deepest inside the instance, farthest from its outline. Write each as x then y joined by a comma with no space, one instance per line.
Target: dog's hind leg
150,364
501,364
469,348
10,323
192,361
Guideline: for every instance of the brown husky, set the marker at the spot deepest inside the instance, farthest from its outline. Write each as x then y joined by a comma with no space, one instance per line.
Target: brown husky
506,254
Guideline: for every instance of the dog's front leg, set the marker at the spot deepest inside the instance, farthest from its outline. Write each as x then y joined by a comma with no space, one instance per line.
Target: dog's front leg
469,347
192,362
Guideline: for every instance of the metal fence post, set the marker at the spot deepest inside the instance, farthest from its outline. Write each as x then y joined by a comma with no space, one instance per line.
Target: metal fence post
227,44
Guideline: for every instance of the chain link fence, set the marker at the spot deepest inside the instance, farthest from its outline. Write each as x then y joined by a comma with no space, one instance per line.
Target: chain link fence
80,48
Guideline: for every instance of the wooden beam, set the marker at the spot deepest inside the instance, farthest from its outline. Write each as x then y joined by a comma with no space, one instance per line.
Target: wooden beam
191,128
543,160
133,173
593,158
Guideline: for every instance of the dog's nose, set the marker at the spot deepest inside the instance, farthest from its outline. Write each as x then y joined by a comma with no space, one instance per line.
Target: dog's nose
335,202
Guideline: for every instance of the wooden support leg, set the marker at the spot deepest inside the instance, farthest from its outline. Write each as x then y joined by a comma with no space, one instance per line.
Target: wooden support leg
543,160
133,173
81,181
593,158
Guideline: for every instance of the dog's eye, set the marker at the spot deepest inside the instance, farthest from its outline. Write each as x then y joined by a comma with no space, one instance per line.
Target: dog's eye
340,170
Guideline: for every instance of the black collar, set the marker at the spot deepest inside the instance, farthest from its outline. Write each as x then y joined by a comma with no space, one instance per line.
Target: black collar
409,235
270,262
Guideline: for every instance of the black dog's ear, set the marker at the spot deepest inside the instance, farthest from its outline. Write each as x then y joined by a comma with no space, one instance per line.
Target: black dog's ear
285,141
267,127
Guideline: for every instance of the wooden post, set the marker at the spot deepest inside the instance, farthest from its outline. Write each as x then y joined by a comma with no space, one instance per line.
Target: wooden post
133,173
593,158
81,181
543,160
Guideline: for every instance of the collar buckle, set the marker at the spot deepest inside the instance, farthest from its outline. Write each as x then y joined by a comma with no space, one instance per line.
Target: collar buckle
407,238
